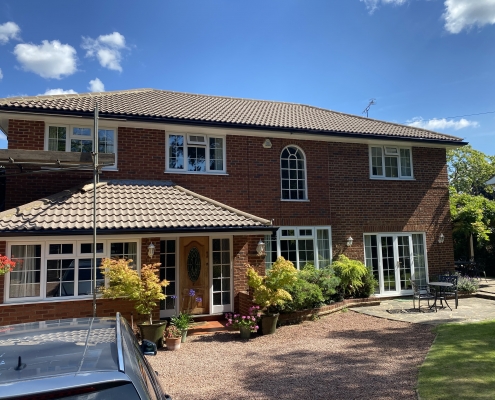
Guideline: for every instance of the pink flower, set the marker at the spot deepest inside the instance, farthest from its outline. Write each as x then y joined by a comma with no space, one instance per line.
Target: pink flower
243,317
256,327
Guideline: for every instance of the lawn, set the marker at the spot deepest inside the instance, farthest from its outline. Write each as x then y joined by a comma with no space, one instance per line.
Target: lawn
460,363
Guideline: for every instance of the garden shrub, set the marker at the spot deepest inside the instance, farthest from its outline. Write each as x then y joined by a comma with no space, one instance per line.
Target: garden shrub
351,273
467,284
325,278
304,295
369,285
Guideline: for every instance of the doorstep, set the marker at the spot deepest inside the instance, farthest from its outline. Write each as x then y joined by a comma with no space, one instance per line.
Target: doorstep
207,327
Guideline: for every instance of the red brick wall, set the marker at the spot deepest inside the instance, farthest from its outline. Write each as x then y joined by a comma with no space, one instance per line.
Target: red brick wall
341,194
244,249
27,135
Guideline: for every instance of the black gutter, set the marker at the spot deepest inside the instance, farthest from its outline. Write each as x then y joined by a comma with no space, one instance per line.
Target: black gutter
126,117
124,231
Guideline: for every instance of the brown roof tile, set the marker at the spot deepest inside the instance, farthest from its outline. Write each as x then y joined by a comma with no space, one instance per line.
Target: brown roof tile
126,204
166,105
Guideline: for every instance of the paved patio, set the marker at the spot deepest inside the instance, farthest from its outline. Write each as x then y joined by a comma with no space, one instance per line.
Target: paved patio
471,309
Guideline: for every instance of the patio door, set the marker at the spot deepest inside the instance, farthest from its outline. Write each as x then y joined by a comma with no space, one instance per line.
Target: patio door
394,259
194,275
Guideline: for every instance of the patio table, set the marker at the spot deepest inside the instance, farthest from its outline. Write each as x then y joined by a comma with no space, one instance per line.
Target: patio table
438,286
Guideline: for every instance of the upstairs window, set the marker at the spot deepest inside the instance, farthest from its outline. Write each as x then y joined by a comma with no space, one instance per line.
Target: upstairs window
79,139
293,174
195,153
390,162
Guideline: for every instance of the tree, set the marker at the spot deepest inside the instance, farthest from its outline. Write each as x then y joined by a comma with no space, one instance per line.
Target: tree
469,169
472,204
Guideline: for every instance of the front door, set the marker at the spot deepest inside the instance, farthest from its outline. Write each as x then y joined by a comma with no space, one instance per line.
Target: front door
194,289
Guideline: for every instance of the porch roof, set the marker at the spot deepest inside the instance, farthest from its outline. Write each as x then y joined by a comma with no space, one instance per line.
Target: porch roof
129,205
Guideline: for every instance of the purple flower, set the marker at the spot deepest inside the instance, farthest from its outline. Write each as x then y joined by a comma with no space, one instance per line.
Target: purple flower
173,296
192,292
199,299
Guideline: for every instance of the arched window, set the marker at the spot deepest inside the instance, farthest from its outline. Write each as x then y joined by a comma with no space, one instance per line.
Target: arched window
293,172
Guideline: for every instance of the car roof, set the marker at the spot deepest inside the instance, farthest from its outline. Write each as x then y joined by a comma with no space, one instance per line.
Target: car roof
59,347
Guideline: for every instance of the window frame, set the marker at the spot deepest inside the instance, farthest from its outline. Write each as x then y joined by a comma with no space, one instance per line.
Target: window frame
70,137
297,236
383,148
76,255
306,198
188,143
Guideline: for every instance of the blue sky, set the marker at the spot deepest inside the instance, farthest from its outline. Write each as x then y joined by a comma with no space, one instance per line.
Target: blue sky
425,62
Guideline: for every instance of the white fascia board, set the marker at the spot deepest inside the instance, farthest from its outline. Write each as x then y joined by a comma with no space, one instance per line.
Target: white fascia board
208,130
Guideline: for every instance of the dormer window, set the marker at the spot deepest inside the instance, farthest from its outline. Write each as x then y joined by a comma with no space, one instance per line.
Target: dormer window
195,153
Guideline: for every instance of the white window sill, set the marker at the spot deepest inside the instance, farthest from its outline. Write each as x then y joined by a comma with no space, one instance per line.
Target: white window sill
296,201
196,173
379,178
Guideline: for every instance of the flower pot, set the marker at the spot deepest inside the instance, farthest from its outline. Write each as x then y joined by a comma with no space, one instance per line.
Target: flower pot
153,332
269,323
245,332
173,343
184,335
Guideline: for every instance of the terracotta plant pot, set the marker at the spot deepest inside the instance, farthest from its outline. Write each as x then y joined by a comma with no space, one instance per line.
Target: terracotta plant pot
269,323
153,332
173,343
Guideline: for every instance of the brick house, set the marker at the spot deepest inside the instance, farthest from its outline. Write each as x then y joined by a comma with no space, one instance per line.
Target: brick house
205,179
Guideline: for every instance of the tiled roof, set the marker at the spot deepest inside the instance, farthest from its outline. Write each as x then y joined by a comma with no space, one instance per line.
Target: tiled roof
172,106
126,204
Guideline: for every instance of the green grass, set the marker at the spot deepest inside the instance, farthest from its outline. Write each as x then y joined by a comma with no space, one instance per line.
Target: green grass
460,364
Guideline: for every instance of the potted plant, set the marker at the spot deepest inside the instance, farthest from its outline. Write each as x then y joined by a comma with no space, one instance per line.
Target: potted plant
182,322
173,337
145,290
245,323
269,292
6,265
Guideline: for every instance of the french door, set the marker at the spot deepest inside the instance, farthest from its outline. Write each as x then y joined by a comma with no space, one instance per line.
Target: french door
395,258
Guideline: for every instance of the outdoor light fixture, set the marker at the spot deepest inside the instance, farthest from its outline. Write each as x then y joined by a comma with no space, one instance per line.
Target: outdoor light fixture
260,249
349,241
151,250
441,238
267,144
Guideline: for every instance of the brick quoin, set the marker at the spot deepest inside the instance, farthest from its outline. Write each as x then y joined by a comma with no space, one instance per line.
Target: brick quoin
340,191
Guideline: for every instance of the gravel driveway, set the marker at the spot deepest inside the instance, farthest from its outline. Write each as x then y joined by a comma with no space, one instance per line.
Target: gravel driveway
341,356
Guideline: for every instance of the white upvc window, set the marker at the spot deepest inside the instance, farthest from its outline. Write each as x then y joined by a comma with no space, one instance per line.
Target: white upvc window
195,153
301,245
59,269
391,162
293,174
75,138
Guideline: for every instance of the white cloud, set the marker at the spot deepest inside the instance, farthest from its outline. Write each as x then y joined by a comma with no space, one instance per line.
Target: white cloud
95,85
1,75
9,30
107,49
443,123
49,60
463,14
51,92
372,5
